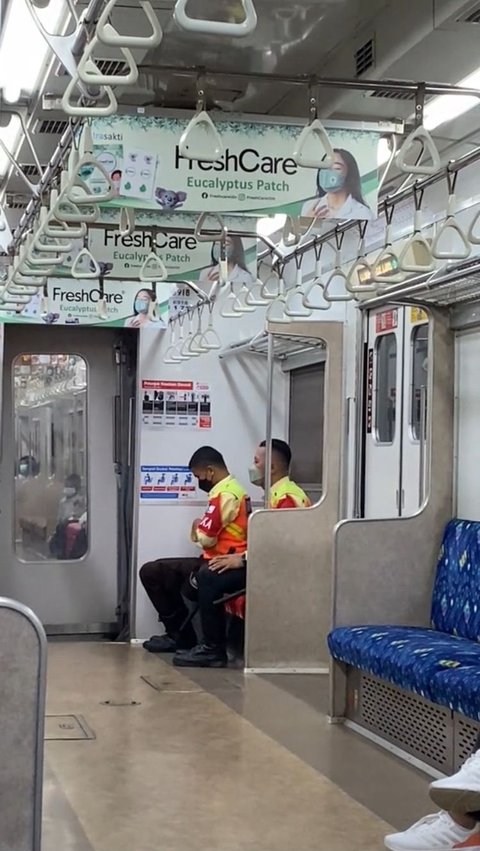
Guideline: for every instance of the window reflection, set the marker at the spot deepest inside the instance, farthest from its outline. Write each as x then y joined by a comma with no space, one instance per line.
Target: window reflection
419,377
50,407
386,388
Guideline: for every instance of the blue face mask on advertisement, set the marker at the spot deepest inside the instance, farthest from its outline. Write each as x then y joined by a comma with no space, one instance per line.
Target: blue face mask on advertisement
331,180
141,306
216,252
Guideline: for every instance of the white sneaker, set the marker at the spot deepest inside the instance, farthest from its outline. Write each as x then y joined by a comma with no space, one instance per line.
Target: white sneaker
437,832
461,791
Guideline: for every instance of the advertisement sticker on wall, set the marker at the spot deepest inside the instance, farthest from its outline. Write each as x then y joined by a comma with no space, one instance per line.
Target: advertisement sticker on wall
176,404
162,483
142,156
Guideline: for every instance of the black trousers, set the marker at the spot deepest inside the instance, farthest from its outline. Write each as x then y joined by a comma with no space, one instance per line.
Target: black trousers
213,586
165,581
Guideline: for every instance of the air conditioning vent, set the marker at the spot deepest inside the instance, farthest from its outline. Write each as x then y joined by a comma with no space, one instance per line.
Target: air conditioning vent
383,93
51,127
15,202
111,67
365,57
31,170
471,17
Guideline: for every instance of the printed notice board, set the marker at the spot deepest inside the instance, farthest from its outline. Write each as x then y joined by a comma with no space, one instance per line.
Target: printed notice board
160,482
176,404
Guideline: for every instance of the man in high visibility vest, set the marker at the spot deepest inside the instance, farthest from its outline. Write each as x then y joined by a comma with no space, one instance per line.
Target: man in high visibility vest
222,530
224,574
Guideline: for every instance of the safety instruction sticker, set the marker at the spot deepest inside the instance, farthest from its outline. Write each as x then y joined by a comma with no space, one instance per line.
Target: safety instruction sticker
176,404
158,482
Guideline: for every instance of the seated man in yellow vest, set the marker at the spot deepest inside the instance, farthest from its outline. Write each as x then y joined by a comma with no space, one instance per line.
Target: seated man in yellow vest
225,574
221,530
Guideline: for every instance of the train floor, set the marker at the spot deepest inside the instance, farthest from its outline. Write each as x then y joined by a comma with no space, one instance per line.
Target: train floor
212,760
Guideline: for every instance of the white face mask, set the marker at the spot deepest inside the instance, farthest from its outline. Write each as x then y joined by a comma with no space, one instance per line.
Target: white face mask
68,492
23,469
256,476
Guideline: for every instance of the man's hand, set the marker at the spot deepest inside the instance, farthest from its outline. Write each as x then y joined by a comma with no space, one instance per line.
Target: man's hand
194,527
220,564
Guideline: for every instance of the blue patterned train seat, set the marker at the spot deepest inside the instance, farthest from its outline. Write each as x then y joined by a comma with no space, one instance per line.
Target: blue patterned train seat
442,664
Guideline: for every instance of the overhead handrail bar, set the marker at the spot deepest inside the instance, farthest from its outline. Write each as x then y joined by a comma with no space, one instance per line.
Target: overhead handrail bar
235,310
297,292
79,109
291,231
212,236
338,274
89,72
201,140
126,224
111,37
353,282
451,225
313,148
388,255
280,300
210,339
251,299
221,28
153,269
242,300
419,134
417,239
316,282
78,266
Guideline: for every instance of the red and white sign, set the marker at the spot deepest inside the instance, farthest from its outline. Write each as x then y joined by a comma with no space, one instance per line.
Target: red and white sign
181,404
386,321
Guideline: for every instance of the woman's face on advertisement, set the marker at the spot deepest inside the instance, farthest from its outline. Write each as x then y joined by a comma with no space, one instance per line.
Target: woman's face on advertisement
339,164
142,302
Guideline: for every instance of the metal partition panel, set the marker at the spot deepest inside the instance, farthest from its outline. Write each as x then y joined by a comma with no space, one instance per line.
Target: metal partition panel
290,552
23,655
384,569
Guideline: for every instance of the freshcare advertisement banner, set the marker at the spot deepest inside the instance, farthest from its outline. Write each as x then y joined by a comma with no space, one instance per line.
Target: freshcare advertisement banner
256,174
172,238
75,301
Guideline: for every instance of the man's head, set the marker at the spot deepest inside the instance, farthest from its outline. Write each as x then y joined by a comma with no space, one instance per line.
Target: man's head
73,483
281,459
208,466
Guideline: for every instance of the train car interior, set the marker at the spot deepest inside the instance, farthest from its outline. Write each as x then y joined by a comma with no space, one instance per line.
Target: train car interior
240,272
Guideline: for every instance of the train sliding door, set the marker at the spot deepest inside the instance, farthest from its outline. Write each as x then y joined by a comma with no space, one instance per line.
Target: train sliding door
62,478
395,428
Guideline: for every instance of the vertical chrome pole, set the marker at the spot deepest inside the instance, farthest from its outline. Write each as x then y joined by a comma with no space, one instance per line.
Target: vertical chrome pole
423,437
268,429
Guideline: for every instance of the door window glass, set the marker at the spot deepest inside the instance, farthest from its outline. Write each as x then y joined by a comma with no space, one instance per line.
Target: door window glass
51,505
419,342
386,388
307,387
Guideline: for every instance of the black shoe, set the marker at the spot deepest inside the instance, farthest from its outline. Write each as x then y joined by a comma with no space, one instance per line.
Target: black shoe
201,656
161,644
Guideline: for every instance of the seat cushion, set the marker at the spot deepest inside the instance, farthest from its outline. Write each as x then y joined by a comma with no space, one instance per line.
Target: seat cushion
419,660
456,595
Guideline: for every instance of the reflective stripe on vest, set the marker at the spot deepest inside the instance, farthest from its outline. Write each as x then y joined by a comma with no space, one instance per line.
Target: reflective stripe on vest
233,538
285,487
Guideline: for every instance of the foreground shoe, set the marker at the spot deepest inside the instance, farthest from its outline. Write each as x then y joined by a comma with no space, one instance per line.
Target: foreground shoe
461,791
161,644
201,657
437,832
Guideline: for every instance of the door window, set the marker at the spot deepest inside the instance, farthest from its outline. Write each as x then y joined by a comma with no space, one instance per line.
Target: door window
419,342
307,386
386,388
51,487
